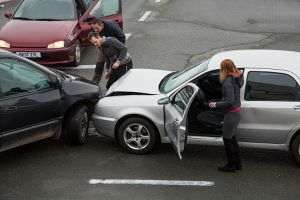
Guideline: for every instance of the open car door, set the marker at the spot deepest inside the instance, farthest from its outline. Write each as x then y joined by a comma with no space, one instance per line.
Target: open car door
108,10
176,116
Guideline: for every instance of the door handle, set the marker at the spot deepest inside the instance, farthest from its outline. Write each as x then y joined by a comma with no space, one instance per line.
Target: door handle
12,108
296,107
8,108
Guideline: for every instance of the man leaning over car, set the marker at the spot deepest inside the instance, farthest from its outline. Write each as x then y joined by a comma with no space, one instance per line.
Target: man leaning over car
107,29
118,60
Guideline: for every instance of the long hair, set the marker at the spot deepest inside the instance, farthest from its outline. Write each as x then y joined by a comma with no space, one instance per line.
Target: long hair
228,68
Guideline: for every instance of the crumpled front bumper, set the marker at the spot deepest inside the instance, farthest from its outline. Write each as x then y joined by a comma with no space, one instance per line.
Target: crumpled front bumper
104,125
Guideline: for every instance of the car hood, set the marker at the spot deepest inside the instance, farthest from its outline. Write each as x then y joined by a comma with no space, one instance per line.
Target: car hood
22,33
144,81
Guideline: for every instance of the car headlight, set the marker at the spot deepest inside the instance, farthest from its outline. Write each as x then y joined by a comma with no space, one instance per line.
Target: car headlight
4,44
56,45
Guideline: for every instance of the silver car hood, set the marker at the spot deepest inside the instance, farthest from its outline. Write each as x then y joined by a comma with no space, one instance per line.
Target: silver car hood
145,81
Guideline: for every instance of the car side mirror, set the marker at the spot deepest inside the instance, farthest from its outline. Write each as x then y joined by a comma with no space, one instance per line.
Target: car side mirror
164,101
8,15
55,82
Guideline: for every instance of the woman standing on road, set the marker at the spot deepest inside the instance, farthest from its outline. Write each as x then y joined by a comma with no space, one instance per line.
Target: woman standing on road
232,82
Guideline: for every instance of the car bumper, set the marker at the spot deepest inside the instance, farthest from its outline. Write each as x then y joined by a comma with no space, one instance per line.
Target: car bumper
104,125
50,56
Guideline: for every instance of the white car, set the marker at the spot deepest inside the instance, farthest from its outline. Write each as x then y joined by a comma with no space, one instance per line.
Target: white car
146,107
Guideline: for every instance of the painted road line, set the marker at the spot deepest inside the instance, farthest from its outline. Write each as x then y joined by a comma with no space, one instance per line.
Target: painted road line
157,1
128,35
151,182
145,16
79,67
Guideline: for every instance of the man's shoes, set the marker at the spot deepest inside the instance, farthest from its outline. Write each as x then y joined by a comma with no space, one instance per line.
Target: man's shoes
227,168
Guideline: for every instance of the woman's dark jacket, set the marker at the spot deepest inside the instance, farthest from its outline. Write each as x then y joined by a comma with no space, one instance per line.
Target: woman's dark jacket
231,93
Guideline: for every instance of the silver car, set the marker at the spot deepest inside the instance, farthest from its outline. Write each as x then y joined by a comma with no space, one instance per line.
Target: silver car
146,107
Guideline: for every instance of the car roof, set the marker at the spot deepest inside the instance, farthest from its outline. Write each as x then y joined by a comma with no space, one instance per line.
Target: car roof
272,59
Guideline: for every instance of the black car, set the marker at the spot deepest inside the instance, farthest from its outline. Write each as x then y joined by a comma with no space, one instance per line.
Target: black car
38,103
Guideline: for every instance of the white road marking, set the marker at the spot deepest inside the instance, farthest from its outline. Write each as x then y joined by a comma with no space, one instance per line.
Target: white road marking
157,1
128,35
145,16
151,182
79,67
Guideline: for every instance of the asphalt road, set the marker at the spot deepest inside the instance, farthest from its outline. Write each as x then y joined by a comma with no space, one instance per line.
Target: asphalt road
176,34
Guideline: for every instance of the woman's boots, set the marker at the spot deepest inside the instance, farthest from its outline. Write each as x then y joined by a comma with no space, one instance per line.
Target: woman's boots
233,156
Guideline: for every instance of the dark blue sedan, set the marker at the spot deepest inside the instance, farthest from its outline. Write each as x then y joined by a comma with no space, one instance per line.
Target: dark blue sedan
38,103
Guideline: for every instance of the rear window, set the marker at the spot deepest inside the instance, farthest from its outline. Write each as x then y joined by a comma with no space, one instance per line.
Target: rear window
270,86
106,8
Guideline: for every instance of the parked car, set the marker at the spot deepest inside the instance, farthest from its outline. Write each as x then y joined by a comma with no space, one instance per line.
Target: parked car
146,107
37,103
53,32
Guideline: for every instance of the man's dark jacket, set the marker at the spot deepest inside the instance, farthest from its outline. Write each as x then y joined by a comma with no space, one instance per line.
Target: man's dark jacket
112,29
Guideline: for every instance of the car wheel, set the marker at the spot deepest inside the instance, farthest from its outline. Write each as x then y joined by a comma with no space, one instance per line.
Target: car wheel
77,125
137,136
77,55
296,149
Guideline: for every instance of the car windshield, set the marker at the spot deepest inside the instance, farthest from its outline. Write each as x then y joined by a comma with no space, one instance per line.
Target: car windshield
170,82
54,10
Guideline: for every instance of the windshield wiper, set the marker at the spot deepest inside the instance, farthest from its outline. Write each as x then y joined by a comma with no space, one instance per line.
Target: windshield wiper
23,18
15,90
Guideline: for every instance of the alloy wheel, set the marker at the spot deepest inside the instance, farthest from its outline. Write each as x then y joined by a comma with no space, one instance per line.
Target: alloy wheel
136,136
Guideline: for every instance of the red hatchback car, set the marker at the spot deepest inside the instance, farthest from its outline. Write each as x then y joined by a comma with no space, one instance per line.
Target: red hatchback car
53,32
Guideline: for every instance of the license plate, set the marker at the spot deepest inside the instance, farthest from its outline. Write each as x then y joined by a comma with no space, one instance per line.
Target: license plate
29,54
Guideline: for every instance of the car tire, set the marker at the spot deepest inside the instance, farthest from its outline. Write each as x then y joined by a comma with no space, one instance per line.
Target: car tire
77,55
295,148
77,125
137,136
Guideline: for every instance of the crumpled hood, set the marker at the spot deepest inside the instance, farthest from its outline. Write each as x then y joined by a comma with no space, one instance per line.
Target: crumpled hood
145,81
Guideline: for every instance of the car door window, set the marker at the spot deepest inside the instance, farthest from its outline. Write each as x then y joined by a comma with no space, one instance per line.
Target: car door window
87,3
271,86
182,98
106,8
80,8
210,85
19,77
